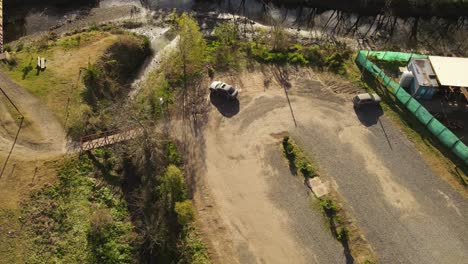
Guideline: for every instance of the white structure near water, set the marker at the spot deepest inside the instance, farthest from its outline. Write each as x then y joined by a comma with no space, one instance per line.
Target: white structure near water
425,78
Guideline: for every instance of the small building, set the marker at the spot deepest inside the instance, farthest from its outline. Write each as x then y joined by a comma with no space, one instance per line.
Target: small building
424,84
445,76
452,75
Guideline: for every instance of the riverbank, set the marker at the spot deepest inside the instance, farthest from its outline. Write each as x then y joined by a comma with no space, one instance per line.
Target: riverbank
445,8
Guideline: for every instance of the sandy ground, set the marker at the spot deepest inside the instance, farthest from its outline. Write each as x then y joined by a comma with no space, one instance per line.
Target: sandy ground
41,141
42,136
254,211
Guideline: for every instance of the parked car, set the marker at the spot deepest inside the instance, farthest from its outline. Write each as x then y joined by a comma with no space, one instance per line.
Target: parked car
366,99
224,89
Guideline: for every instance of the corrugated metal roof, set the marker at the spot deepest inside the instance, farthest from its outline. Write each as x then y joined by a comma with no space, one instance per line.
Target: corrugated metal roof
450,71
422,71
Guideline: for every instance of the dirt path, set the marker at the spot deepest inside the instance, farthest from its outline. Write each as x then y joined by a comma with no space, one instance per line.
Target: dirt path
253,210
42,135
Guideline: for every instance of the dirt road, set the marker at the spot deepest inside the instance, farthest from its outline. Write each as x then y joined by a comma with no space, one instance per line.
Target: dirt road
253,210
42,135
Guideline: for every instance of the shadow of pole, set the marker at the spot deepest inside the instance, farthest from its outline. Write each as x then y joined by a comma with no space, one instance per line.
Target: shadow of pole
346,250
281,76
12,147
385,133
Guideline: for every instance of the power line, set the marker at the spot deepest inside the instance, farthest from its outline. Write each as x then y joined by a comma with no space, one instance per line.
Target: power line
17,132
12,147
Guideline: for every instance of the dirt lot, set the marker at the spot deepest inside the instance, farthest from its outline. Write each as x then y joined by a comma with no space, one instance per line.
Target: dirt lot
253,210
42,134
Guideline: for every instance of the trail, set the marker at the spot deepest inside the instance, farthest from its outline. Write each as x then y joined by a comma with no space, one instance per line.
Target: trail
42,135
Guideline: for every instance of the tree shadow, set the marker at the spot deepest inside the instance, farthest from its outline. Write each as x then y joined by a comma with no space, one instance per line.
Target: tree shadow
346,250
227,107
105,167
369,115
26,70
341,235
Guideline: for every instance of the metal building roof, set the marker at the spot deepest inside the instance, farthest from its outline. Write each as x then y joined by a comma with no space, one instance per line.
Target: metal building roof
450,71
422,71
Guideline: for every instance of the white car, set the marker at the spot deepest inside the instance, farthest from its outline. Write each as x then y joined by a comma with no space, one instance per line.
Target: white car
224,89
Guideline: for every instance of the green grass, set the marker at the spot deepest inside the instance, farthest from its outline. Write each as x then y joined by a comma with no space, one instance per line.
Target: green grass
298,162
12,242
60,221
65,56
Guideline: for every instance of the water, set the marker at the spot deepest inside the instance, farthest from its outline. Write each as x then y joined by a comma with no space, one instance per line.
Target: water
20,22
160,44
27,20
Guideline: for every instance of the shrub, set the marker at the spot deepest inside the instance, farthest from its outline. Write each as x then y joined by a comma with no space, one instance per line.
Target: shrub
342,234
329,207
172,187
105,238
173,154
307,169
7,48
192,248
288,149
225,50
185,212
297,58
19,47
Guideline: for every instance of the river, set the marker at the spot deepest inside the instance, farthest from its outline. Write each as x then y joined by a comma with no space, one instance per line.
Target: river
22,20
27,19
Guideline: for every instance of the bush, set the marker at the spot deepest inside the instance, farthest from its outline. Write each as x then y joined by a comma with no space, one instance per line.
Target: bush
19,47
7,48
297,58
225,50
192,249
342,234
185,212
288,149
306,169
104,240
329,207
328,57
173,154
172,187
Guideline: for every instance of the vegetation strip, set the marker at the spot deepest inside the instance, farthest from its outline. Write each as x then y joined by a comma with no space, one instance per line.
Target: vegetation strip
341,224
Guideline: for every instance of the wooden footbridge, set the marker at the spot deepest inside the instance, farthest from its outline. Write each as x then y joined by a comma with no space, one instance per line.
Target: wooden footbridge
107,138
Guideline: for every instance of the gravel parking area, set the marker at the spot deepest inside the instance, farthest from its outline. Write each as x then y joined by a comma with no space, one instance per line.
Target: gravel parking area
253,210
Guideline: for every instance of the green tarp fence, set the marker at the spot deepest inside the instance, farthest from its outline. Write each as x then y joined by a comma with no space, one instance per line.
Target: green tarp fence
446,136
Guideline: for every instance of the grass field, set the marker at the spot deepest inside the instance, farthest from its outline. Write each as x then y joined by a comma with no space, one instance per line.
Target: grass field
60,80
65,57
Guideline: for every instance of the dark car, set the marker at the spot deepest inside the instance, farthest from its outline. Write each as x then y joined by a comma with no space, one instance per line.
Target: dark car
366,99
